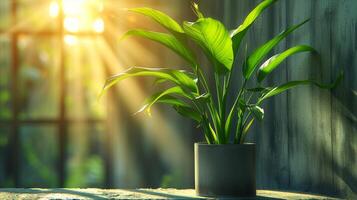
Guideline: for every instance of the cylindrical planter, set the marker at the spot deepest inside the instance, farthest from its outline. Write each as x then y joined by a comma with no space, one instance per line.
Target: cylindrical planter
225,170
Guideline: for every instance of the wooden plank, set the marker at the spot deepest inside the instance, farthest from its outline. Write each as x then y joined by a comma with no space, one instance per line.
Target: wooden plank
94,193
272,139
344,99
320,65
309,108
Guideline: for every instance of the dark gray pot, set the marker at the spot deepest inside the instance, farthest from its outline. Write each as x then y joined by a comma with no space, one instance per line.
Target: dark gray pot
225,170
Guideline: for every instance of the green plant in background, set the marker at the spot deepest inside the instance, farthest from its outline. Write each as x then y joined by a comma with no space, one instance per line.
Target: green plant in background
192,96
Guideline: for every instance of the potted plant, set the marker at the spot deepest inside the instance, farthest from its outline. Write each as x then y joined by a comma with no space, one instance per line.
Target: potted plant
224,164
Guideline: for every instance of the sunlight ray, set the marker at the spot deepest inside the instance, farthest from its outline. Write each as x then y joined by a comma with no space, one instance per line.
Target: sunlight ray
162,130
137,51
36,16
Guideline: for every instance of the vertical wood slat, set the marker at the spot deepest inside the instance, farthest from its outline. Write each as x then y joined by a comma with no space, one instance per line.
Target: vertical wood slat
309,107
320,68
272,134
344,100
299,106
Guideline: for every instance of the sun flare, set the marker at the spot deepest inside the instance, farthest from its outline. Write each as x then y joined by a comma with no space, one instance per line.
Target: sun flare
79,15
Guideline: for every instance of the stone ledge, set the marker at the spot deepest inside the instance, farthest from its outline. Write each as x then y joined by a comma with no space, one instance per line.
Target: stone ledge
94,193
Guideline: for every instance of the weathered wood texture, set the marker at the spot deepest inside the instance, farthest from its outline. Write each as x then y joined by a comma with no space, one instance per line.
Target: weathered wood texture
93,193
308,140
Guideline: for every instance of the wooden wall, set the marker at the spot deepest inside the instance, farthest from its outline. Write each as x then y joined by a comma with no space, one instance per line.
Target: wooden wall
308,139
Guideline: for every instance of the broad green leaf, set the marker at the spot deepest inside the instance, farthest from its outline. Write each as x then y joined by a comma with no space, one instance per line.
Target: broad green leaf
238,34
167,40
213,38
171,100
257,111
160,96
292,84
272,63
165,99
161,18
258,55
179,77
180,106
188,112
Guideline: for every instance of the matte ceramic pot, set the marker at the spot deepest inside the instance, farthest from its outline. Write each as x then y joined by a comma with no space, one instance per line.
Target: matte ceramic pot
225,170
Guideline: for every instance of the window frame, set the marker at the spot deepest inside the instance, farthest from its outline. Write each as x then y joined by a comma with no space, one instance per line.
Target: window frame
62,121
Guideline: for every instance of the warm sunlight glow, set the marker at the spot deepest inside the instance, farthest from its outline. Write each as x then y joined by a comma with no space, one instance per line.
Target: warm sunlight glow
98,25
73,7
79,15
70,40
54,9
71,24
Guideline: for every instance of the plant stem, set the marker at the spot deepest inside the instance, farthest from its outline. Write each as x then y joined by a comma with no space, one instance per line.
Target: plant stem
226,83
218,118
218,93
211,108
239,124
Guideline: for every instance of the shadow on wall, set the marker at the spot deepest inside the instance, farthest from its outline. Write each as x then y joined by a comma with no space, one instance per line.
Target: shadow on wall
341,160
344,163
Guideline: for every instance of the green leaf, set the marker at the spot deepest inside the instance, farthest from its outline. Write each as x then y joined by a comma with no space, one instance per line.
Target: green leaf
272,63
196,10
179,77
159,81
257,56
188,112
257,111
161,18
242,104
213,38
171,100
162,96
238,34
292,84
167,40
214,134
228,122
166,99
245,131
259,89
180,106
203,98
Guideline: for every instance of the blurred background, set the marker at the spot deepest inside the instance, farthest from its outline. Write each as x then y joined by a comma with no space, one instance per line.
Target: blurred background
56,54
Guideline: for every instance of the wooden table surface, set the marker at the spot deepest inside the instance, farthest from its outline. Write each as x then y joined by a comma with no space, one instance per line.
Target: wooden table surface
94,193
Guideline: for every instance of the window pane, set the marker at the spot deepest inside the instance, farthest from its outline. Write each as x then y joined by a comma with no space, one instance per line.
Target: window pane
85,78
39,77
5,181
5,74
85,164
39,154
35,15
4,14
